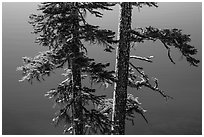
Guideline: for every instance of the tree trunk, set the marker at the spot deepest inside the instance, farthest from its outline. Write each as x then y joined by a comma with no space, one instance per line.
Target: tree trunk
77,104
122,66
77,110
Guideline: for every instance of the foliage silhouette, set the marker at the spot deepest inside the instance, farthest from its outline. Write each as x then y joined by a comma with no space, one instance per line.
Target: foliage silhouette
63,29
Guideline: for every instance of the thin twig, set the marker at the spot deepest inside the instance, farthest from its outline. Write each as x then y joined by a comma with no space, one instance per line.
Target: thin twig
169,52
84,21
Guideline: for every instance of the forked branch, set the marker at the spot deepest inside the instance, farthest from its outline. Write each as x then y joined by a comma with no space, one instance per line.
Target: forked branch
145,82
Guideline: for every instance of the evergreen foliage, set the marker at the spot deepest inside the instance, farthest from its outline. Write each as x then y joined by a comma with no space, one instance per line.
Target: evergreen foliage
169,38
63,29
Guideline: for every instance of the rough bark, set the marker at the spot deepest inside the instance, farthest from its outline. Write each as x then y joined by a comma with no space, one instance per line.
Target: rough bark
122,65
76,78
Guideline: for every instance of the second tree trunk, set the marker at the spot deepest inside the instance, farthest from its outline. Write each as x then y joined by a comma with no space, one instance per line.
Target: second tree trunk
122,66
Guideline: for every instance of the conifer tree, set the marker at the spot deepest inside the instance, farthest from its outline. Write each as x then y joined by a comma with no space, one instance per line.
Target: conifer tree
127,74
63,29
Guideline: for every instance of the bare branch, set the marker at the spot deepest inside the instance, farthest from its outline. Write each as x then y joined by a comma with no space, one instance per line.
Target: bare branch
169,52
145,82
148,59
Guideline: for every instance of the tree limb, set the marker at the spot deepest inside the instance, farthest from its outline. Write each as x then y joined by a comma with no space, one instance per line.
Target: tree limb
148,59
169,52
145,82
169,37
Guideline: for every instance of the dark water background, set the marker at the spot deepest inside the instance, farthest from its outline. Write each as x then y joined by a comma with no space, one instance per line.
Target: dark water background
25,110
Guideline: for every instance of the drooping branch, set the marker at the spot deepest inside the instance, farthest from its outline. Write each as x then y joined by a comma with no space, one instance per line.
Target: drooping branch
168,52
168,37
133,105
95,35
37,67
145,82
